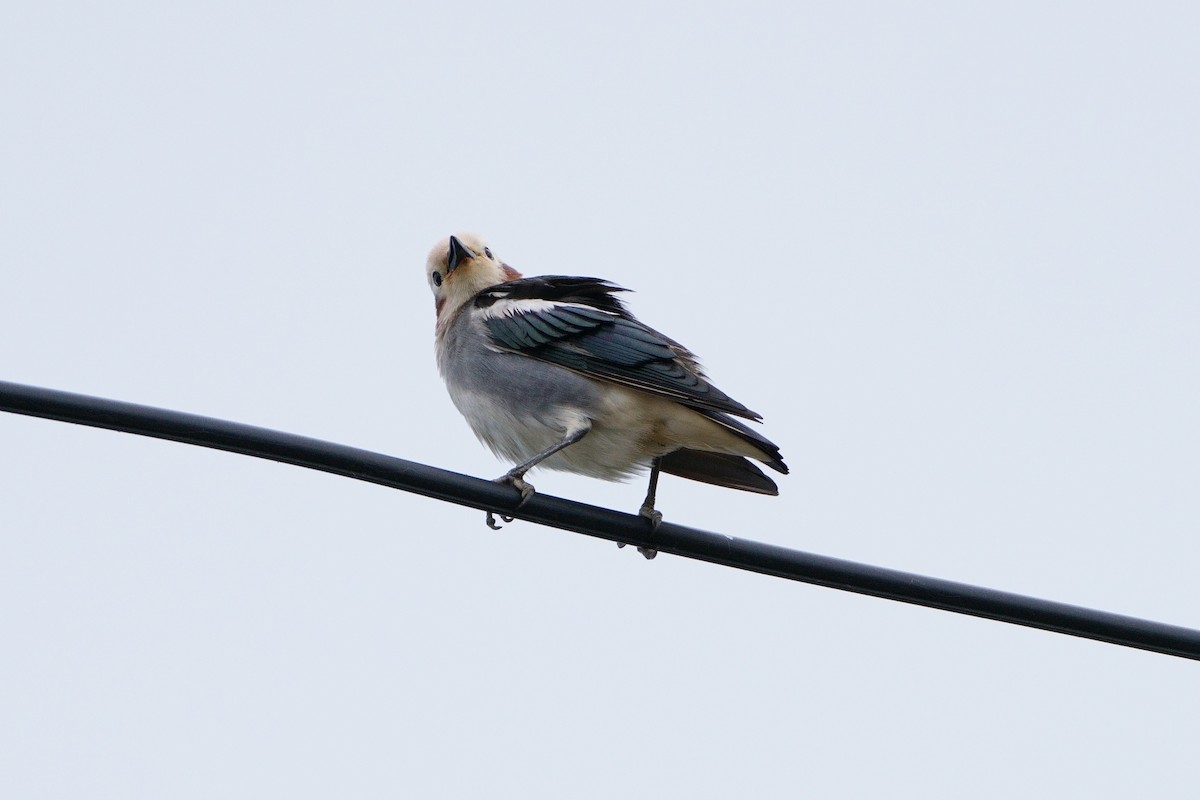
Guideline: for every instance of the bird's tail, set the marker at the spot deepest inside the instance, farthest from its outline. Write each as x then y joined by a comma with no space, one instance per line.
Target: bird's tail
721,469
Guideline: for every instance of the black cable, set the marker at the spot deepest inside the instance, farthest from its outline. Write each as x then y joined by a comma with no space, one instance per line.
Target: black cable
678,540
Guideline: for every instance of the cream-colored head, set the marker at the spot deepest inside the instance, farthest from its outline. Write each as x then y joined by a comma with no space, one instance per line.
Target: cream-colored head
461,267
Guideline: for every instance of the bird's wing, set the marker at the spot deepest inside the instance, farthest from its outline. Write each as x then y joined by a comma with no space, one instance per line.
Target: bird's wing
579,324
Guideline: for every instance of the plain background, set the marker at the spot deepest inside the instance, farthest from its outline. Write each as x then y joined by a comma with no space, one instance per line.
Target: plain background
950,251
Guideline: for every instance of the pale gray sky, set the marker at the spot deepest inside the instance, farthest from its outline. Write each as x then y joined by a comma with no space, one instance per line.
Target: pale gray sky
949,250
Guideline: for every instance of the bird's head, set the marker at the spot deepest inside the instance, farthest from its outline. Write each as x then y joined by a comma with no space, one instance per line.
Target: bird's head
460,268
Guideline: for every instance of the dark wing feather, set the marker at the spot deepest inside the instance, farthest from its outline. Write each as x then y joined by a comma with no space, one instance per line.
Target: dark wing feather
771,455
580,325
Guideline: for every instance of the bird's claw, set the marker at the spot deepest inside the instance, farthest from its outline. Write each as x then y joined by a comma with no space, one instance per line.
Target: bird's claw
491,520
647,552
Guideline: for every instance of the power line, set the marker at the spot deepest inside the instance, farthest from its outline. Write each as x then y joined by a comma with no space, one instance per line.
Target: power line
679,540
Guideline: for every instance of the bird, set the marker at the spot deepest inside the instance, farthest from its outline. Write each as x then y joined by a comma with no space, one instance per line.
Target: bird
555,372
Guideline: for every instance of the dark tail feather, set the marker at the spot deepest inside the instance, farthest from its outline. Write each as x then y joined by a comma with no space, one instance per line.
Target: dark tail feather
720,469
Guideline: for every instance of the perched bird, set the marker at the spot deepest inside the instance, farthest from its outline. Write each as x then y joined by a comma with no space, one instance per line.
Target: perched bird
553,371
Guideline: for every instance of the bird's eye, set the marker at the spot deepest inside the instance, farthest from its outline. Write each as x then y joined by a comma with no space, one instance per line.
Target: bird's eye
487,252
437,279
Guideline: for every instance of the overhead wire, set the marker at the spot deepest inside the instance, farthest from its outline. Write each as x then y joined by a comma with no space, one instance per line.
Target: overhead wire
679,540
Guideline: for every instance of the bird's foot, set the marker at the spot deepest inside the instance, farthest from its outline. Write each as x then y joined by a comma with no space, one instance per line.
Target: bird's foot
655,518
649,513
518,482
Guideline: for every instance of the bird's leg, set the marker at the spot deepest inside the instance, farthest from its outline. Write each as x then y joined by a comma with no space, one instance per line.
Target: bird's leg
515,477
647,509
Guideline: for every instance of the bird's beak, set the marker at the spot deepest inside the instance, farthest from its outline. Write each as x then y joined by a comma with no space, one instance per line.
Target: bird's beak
459,253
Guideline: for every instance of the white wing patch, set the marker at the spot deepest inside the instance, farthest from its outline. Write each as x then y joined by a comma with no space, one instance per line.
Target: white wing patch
504,307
